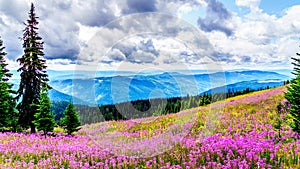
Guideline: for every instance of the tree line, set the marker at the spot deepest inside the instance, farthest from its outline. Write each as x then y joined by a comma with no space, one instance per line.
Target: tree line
29,106
144,108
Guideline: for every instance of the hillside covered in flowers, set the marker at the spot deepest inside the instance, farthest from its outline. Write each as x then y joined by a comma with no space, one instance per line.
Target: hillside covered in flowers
249,131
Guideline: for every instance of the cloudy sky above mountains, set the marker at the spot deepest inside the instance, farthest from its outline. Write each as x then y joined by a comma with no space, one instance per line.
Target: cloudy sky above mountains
160,34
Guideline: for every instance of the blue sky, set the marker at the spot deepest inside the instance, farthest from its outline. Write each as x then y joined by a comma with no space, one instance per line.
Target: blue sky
152,34
276,8
270,7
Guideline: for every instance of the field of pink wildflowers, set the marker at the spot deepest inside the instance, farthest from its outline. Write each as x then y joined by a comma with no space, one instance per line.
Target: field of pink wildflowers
241,132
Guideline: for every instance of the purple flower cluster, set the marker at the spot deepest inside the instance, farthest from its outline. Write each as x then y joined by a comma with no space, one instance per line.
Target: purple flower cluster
238,134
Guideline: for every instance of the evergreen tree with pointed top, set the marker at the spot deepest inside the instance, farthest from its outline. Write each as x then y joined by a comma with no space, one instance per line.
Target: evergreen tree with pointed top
71,120
44,117
8,114
293,94
33,72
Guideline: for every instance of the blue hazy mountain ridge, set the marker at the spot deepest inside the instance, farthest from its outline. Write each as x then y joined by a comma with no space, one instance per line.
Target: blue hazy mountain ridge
115,87
252,85
55,95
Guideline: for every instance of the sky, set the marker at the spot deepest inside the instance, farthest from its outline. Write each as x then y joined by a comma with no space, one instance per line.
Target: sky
157,34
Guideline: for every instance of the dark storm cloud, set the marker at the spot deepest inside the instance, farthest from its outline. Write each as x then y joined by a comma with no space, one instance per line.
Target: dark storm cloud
64,63
60,38
216,17
141,57
96,18
96,13
60,22
246,59
116,55
12,15
148,46
190,57
107,61
169,61
60,26
64,5
223,57
13,45
14,9
134,40
1,22
140,6
70,54
276,62
142,52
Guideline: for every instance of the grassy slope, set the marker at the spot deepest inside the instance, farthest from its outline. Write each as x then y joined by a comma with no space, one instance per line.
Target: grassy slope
236,133
261,101
242,115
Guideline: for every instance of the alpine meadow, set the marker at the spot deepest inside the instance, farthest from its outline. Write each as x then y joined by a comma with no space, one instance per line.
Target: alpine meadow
147,84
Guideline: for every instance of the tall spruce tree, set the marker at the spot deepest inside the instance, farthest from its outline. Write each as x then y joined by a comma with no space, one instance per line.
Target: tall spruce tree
293,94
33,73
44,117
8,114
71,120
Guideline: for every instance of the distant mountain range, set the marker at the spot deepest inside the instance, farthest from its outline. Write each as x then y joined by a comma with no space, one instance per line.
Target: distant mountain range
55,95
251,85
109,87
